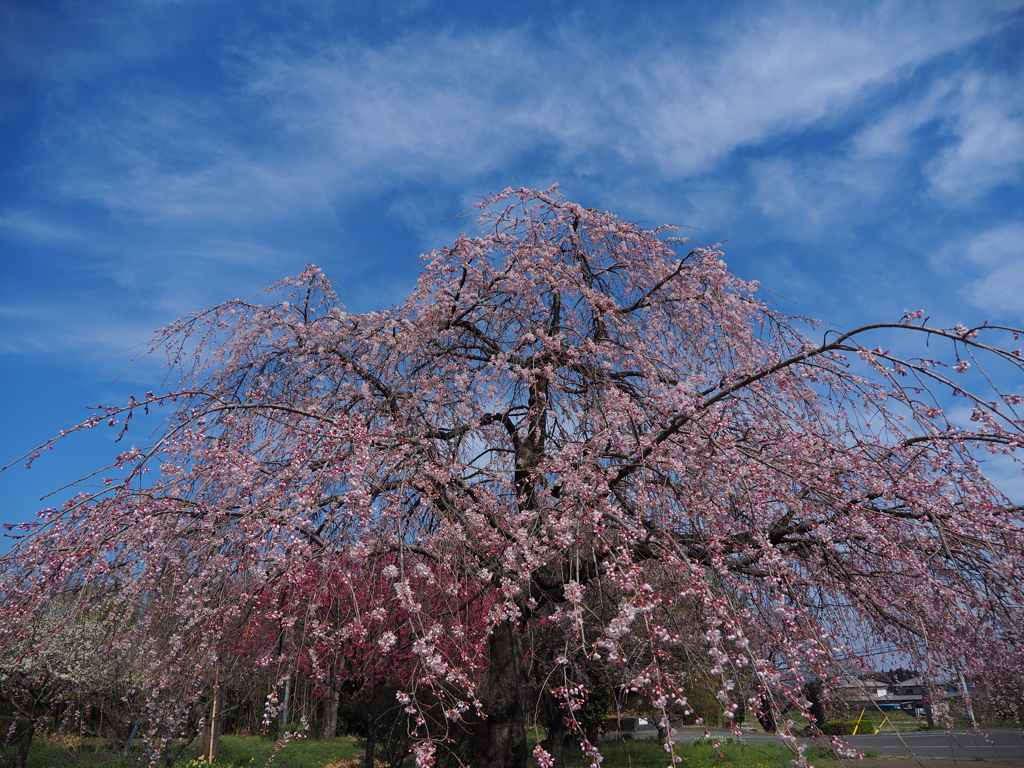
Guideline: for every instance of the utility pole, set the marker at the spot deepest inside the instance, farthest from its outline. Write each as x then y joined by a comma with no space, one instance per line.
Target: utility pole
214,726
966,695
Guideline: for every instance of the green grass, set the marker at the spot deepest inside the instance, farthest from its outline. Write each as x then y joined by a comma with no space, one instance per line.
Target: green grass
238,752
1000,724
246,752
888,722
648,754
42,755
253,752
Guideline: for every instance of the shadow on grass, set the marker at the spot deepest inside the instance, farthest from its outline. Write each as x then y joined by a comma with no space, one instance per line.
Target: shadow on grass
238,752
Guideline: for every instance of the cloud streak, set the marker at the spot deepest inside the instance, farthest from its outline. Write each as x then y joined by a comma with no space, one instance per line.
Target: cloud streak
999,254
303,130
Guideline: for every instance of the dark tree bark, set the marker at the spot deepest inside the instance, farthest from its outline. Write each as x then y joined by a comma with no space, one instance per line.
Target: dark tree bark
812,691
555,743
500,740
21,740
554,722
370,757
766,717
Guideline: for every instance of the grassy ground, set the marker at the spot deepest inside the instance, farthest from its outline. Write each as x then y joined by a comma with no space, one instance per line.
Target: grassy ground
648,754
902,722
887,722
252,752
238,752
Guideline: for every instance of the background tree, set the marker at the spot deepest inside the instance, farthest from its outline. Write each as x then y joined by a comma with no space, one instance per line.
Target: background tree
562,400
62,655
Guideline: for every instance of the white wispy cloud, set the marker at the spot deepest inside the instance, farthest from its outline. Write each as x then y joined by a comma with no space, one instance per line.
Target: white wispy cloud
647,120
890,134
79,330
988,123
999,254
975,122
783,71
303,130
29,226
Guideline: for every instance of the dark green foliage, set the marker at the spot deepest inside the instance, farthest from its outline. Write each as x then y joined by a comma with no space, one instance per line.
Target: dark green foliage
593,715
380,720
845,727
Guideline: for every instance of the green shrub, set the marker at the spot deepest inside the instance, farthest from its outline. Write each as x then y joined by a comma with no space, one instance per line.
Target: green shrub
845,727
866,726
837,728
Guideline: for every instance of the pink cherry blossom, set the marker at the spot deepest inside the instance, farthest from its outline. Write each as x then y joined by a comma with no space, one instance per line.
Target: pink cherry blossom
579,443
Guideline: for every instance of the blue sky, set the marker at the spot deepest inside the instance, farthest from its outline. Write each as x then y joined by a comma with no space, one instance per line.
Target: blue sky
160,156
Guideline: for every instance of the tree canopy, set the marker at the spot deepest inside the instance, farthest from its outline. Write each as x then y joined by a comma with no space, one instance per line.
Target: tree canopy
576,433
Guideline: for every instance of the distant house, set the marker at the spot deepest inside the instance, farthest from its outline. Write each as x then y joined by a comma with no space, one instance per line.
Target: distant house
909,695
860,693
913,695
915,686
917,694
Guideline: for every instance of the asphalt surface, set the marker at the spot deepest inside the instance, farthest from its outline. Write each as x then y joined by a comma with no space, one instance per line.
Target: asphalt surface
991,744
1002,744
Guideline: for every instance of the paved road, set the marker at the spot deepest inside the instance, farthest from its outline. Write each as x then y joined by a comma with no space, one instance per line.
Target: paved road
1003,744
992,744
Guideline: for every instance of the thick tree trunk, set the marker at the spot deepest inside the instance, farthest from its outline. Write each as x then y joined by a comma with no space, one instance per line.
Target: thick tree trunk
555,742
329,711
553,720
370,756
500,740
21,740
812,691
769,723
